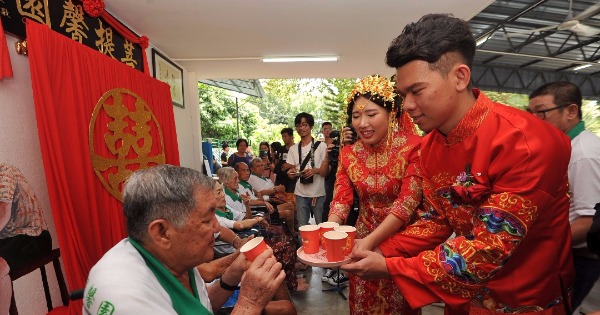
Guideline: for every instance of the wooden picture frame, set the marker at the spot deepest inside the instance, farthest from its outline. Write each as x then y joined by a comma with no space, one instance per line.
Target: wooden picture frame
166,71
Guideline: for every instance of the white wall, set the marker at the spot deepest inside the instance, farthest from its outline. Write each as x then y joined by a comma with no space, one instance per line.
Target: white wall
19,145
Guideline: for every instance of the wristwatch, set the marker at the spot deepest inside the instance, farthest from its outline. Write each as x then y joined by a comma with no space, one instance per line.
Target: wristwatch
227,287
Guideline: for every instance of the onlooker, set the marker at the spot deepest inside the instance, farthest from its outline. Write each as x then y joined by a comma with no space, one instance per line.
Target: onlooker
281,167
267,158
559,103
326,129
311,165
23,233
494,175
241,155
171,222
225,147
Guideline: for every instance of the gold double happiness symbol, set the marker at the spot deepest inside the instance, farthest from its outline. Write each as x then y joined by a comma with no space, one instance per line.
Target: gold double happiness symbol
122,125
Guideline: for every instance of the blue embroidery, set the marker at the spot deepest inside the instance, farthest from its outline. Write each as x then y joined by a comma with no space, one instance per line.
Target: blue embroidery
497,221
456,265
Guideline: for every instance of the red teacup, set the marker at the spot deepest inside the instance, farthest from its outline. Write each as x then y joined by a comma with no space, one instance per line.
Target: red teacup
325,227
253,248
336,241
310,238
351,231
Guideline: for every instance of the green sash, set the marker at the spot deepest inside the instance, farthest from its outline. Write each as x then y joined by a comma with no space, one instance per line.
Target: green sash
223,214
184,302
245,184
233,195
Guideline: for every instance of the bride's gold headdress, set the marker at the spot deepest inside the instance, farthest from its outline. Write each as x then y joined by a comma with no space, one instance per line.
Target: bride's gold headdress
375,87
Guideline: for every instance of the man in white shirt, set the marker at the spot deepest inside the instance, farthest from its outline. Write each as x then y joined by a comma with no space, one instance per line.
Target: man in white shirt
309,158
559,103
264,186
170,215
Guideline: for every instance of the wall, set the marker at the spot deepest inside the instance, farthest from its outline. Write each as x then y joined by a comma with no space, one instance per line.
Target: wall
19,145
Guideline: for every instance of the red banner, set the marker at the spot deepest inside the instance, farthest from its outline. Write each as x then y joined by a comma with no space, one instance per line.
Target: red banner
98,120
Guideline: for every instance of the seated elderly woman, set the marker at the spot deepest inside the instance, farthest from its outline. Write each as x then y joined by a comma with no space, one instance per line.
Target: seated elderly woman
237,205
171,222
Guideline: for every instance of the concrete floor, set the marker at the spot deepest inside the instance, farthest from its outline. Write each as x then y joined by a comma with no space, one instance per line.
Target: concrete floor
316,302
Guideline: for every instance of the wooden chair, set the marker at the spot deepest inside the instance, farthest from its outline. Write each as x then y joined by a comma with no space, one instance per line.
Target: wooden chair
41,263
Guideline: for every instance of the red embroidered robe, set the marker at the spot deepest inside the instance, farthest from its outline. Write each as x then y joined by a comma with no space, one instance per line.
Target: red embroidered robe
499,181
386,182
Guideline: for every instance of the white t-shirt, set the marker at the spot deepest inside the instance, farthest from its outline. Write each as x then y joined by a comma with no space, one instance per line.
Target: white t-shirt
584,176
260,184
122,281
237,207
317,188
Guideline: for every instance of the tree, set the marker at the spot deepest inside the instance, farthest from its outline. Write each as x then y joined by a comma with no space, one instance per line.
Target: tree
336,94
218,116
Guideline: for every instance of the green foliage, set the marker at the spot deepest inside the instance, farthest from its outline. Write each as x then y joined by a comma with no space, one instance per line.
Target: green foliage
512,99
336,92
261,119
589,109
218,116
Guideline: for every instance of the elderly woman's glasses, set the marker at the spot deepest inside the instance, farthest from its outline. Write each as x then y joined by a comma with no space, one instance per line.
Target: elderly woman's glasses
542,113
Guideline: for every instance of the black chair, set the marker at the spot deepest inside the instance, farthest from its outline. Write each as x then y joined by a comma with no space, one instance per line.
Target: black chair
54,257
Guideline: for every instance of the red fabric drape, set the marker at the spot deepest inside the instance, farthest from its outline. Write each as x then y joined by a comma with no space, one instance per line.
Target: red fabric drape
5,66
68,79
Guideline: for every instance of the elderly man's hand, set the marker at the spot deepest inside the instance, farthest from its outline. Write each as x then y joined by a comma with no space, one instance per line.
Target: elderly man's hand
269,207
367,265
260,282
246,198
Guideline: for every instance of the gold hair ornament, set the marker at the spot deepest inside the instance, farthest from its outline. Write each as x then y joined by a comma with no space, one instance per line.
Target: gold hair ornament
377,87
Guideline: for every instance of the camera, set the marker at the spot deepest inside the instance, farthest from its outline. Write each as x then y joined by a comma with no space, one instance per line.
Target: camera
306,180
334,153
263,154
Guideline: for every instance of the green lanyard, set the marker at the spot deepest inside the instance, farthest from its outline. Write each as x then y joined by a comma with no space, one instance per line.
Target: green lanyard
184,303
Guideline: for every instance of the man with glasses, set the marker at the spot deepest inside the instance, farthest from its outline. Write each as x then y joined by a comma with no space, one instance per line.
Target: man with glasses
309,158
559,103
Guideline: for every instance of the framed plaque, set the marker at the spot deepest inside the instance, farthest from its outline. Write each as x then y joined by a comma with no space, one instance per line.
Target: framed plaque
166,71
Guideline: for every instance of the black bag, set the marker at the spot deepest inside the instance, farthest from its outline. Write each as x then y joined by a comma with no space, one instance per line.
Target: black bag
593,236
309,156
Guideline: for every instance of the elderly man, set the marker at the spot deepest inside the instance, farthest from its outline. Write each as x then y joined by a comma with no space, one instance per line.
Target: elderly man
253,180
170,215
246,188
